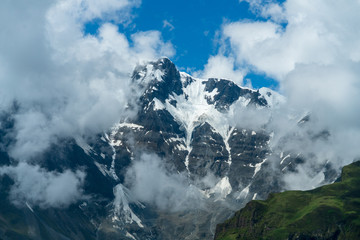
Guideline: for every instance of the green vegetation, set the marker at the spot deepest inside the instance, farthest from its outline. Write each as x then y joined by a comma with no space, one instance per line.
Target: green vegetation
328,212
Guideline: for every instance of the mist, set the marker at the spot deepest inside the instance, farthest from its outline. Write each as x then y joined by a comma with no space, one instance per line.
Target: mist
65,82
38,187
62,79
312,50
150,181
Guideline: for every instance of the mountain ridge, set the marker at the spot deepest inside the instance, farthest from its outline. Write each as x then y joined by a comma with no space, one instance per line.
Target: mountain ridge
185,135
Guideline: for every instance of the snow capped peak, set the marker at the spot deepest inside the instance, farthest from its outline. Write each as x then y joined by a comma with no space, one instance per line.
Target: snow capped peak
149,73
273,99
161,77
153,70
191,101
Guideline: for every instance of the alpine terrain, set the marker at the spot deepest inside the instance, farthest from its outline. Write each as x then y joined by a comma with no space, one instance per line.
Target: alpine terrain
328,212
178,166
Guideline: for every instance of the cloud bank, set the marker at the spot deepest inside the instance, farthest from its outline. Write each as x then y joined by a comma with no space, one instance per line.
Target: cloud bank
312,49
66,83
63,79
150,182
36,186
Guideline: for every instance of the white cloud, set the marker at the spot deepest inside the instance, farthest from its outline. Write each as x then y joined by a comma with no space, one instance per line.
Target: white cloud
315,57
63,80
167,24
222,67
318,32
66,83
267,9
37,186
149,44
151,182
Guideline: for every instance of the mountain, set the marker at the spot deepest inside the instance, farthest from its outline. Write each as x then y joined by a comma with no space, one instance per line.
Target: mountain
176,168
328,212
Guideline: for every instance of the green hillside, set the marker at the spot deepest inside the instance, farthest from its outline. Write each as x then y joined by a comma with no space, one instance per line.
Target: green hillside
328,212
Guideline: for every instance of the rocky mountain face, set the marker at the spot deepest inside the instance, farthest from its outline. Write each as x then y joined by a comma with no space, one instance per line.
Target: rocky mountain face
175,170
328,212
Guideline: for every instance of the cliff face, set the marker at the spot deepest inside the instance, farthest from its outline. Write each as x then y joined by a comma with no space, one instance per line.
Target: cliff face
179,164
328,212
199,165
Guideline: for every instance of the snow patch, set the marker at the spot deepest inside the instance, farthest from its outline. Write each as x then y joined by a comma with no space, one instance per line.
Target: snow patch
192,109
122,207
284,159
212,94
181,147
258,167
29,207
254,197
148,74
158,105
102,168
227,145
112,144
243,194
130,236
222,189
128,125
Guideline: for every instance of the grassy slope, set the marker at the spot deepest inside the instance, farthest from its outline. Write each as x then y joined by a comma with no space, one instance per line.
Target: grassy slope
328,212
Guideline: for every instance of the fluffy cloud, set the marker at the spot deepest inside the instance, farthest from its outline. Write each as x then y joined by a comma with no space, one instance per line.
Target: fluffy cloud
267,9
222,67
151,182
66,83
320,32
36,186
312,49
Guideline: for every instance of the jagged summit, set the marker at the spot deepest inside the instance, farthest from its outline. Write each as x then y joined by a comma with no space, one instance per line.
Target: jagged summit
161,80
162,70
208,164
189,123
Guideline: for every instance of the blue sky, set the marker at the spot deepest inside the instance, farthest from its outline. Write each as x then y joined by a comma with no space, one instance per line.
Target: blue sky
192,27
195,25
